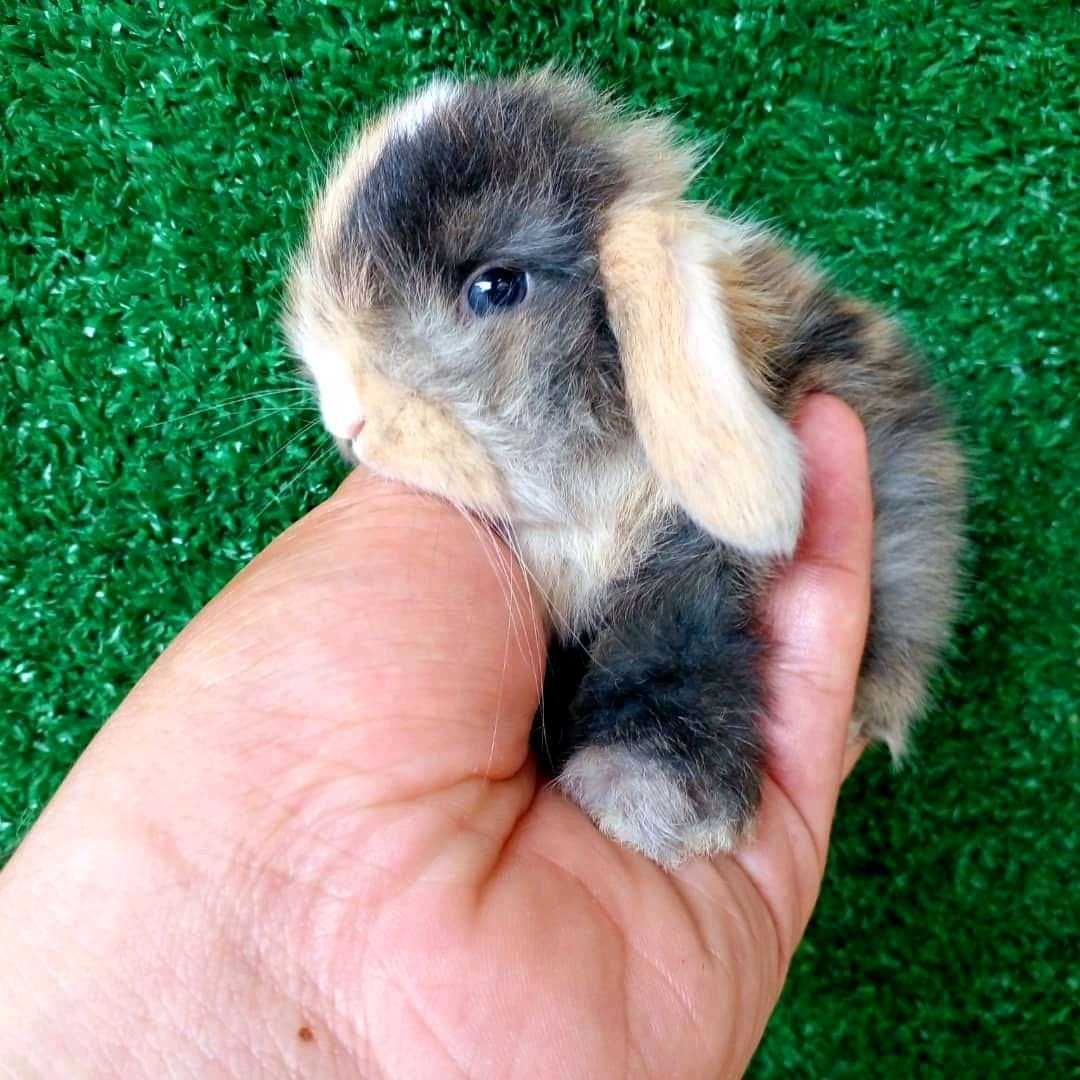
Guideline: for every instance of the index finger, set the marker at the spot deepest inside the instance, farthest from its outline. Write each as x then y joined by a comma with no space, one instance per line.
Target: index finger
818,615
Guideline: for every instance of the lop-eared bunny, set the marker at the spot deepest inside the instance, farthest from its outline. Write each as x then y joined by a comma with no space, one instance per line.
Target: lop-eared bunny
504,299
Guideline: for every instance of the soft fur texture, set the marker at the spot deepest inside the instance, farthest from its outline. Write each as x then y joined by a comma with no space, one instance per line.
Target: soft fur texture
625,425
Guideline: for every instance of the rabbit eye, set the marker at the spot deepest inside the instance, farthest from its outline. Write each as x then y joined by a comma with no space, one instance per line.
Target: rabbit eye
495,288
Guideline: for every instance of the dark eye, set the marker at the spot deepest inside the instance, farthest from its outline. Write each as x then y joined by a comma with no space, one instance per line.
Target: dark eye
495,288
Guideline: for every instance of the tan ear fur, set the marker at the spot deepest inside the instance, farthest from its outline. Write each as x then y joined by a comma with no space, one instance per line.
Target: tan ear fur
715,444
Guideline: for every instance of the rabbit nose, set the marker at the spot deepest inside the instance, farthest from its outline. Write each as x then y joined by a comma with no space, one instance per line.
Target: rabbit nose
354,429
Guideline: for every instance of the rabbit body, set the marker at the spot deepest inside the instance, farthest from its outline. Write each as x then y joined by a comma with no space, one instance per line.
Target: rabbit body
505,299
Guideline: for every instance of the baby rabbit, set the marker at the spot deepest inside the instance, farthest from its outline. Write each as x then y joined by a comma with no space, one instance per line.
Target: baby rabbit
505,299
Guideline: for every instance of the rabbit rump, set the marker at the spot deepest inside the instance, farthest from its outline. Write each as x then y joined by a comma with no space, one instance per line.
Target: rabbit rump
505,299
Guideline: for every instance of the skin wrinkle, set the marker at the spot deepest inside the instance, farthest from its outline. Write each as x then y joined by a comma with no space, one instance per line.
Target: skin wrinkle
599,905
486,793
566,1025
666,977
502,844
751,980
629,948
811,836
736,911
335,1023
499,695
213,1036
350,769
433,661
308,996
685,882
208,1045
154,1056
281,564
809,859
628,1038
692,1014
358,958
266,796
816,681
333,1018
406,881
440,612
781,938
512,839
418,1013
401,795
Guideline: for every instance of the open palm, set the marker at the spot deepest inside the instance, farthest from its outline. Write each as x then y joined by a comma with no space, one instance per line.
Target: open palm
312,841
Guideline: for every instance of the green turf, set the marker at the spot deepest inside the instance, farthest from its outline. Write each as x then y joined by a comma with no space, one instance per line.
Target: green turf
156,160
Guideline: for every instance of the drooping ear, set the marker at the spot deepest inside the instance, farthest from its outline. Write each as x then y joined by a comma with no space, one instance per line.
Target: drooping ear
715,444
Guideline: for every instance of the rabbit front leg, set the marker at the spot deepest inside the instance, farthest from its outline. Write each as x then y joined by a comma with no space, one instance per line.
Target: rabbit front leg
666,751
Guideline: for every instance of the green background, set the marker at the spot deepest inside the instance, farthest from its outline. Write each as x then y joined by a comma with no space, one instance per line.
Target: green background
156,163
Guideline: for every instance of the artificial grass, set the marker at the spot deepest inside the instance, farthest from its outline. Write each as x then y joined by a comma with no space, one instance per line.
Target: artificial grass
155,165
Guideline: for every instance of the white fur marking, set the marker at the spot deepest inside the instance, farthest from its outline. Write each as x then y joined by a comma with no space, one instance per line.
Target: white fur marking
413,113
339,403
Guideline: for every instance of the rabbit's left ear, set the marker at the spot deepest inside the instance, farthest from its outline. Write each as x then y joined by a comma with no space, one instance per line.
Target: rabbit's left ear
719,449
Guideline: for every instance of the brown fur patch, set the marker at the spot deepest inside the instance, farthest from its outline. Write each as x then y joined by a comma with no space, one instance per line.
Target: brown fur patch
761,283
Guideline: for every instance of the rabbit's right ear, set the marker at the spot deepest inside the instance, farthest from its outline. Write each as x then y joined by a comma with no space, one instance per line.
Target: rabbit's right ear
716,445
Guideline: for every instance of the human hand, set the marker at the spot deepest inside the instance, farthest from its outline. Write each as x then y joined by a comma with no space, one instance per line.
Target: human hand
312,840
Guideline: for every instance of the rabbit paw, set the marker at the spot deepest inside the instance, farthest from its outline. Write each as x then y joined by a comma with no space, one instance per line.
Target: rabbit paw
646,805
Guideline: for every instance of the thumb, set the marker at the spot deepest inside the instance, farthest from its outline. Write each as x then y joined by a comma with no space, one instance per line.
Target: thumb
817,618
819,613
386,632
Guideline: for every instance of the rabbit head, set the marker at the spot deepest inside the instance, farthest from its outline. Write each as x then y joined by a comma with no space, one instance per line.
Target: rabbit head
505,299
